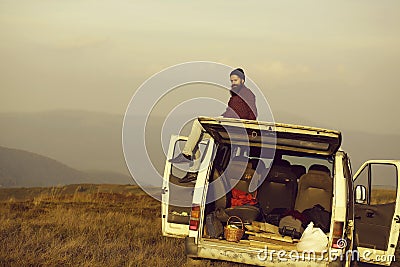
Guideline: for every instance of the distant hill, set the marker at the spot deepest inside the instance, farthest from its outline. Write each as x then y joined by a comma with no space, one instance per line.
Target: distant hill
83,140
87,140
20,168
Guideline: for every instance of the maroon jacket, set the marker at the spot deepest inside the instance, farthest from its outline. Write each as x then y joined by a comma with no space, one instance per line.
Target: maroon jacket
241,105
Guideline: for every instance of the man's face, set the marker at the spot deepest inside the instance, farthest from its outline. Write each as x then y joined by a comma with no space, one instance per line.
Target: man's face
236,82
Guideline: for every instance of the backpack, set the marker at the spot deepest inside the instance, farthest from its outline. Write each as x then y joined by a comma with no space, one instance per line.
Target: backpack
319,216
214,228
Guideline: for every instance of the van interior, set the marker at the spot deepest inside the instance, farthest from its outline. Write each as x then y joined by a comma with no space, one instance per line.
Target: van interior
286,181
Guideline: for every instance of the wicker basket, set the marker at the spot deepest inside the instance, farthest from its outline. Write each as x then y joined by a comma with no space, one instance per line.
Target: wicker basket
233,234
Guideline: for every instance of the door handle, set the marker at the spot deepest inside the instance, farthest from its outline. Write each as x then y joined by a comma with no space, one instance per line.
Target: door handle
370,213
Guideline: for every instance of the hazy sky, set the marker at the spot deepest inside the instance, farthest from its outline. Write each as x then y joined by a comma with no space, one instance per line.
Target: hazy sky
335,63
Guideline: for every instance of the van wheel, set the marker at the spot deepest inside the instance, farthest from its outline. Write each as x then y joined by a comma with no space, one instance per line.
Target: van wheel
197,262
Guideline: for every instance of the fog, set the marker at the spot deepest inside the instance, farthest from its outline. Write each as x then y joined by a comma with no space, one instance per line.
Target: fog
327,64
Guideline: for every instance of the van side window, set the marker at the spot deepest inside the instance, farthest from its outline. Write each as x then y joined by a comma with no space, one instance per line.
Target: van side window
380,182
383,188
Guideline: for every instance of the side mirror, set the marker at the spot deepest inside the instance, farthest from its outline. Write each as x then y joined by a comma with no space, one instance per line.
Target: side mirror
361,194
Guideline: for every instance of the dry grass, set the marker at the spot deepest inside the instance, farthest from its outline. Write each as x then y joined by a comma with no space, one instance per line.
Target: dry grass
88,225
85,225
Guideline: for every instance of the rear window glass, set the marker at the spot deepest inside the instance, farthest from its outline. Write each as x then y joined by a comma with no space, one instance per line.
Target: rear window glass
308,161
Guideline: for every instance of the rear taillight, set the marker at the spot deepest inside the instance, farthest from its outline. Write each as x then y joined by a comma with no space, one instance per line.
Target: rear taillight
337,235
194,218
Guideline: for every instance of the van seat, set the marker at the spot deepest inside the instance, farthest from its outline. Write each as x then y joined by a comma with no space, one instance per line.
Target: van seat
278,190
238,174
315,187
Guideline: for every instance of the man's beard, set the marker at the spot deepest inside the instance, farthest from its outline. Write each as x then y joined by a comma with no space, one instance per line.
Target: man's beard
235,89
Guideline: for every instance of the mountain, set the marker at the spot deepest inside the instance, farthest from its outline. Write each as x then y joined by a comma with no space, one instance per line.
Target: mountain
83,140
87,140
20,168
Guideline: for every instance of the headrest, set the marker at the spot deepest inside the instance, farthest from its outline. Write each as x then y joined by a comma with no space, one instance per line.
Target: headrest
320,180
281,162
298,170
281,174
321,168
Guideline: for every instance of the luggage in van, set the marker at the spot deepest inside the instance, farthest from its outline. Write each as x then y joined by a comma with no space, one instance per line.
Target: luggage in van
319,216
275,216
313,239
292,226
214,228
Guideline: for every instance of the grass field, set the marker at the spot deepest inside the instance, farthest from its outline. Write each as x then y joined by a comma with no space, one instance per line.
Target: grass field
86,225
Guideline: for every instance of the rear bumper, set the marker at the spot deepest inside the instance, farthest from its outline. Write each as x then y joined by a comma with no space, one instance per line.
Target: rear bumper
246,255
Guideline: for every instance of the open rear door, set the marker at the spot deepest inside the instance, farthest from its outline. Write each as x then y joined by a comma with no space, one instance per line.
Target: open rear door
272,135
377,211
177,198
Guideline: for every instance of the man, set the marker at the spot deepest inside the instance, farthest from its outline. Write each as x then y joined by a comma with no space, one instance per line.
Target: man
241,105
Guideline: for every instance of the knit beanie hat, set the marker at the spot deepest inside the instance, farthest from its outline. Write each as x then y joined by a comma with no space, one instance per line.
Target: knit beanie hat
238,72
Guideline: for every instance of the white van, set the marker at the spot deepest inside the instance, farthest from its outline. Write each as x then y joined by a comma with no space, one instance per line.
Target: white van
364,208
